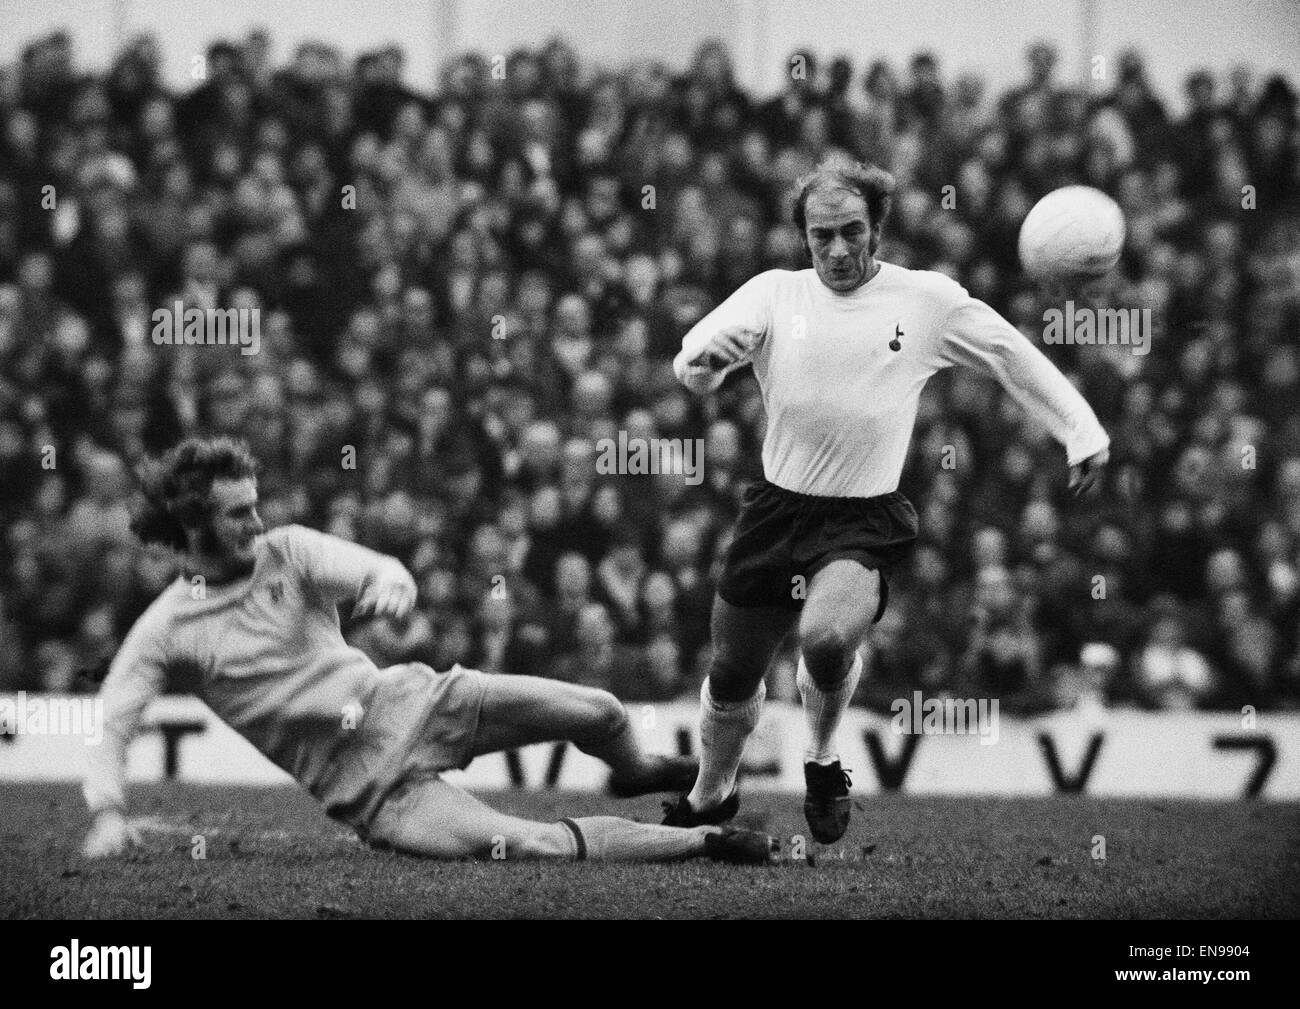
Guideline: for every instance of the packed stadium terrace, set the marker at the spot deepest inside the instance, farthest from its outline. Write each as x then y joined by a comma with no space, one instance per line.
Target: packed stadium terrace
459,292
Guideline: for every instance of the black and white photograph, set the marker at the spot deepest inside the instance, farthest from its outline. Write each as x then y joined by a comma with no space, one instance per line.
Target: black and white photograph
674,459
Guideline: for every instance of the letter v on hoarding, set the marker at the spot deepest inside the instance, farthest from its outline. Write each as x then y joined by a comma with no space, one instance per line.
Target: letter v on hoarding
891,772
1070,784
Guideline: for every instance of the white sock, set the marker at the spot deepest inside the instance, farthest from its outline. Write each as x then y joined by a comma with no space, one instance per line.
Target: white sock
823,709
612,839
724,727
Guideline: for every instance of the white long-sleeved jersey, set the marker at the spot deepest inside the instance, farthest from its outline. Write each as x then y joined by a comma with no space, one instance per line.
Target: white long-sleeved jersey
272,663
841,403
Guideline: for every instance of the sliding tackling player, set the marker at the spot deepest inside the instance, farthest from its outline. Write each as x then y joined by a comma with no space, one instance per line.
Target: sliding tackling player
254,616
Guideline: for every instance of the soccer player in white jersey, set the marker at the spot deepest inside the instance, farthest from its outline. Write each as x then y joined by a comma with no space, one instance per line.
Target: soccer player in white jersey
254,616
841,352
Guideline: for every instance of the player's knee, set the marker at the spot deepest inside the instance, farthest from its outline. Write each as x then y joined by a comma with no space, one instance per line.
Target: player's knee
733,677
827,652
605,715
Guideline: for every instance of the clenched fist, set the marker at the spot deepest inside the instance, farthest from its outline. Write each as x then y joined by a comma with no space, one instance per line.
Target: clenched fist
387,597
1084,476
727,346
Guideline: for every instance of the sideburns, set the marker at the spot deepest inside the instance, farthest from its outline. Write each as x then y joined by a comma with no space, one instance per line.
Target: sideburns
209,545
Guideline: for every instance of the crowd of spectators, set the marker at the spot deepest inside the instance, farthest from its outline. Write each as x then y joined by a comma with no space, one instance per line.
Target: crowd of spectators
461,289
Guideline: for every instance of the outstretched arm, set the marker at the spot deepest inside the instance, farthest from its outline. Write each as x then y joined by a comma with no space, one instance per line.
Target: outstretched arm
976,336
135,678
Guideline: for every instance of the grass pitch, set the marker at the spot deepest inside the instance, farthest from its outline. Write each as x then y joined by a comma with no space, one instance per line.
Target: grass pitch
270,853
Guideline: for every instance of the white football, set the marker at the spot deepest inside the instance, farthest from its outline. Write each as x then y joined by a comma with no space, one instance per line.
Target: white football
1072,232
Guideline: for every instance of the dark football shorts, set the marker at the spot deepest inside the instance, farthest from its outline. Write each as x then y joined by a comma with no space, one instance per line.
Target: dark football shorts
782,535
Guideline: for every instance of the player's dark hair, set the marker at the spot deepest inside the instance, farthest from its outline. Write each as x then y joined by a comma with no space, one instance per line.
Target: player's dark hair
177,486
873,184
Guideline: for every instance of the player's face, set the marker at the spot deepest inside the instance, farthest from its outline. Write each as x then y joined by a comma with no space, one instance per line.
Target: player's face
234,525
838,232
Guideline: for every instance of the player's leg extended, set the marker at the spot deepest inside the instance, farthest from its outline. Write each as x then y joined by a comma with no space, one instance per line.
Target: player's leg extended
433,818
843,598
744,640
842,601
519,710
